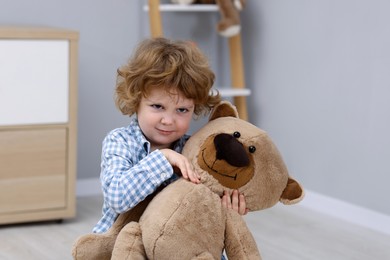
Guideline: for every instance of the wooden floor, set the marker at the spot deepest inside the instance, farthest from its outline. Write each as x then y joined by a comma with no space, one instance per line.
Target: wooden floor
282,233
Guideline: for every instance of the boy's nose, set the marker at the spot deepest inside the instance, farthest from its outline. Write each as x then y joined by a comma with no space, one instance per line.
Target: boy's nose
167,119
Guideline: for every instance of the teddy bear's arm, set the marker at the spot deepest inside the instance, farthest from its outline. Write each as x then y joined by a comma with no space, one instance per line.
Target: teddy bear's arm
239,242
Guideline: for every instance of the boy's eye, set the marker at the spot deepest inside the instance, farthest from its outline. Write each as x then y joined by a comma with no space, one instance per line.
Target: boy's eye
157,106
182,110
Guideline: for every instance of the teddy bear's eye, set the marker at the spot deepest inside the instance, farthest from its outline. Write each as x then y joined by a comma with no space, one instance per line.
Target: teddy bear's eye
237,134
252,149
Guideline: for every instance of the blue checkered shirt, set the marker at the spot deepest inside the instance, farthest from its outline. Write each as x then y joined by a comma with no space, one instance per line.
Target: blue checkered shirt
130,171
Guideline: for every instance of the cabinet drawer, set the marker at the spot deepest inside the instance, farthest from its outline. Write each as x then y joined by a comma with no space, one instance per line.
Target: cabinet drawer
32,169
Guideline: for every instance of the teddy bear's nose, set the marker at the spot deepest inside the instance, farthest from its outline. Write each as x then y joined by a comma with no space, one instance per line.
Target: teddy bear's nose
231,150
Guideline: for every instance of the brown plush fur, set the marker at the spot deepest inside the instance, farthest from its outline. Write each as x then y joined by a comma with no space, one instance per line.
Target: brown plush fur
100,246
186,220
230,24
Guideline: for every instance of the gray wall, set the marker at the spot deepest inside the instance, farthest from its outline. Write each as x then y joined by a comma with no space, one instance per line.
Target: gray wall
318,71
320,75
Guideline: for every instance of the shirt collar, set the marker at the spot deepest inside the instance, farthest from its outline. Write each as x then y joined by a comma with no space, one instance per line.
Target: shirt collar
139,135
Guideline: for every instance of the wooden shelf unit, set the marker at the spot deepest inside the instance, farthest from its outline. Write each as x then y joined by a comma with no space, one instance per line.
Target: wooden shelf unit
237,90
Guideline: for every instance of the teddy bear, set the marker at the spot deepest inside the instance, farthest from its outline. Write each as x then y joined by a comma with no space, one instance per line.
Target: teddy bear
229,24
187,220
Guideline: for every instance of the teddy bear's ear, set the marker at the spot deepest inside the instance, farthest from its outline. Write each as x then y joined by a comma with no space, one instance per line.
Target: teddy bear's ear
223,109
293,193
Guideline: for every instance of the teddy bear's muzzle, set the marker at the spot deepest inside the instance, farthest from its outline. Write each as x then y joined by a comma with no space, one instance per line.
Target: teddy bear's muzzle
228,148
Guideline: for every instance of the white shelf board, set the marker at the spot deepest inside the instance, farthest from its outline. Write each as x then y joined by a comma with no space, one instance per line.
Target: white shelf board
186,8
234,92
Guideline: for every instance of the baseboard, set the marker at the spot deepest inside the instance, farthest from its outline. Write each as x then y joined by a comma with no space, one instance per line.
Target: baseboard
337,208
346,211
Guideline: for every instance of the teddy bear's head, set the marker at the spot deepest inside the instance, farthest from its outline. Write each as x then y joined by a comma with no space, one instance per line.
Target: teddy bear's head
231,153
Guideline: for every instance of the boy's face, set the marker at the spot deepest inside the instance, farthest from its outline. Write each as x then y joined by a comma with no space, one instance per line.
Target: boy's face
164,117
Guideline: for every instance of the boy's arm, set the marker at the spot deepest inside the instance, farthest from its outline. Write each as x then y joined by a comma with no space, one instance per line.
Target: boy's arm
124,183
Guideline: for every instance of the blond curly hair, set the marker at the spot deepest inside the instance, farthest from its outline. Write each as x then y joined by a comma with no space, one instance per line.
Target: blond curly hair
174,65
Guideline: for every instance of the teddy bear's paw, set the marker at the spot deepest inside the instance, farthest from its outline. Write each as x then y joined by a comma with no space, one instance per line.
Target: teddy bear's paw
129,243
239,4
230,31
93,246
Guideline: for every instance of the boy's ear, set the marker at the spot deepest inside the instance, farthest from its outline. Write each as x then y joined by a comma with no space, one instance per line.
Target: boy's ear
223,109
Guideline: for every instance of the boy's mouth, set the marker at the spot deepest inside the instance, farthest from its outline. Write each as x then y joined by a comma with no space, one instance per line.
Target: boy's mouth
165,132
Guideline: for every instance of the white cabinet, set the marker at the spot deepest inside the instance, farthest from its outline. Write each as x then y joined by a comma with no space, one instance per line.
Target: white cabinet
38,123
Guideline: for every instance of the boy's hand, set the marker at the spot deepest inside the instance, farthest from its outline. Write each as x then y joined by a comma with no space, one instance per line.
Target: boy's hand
180,162
234,201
